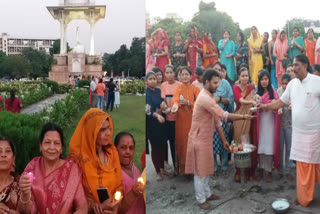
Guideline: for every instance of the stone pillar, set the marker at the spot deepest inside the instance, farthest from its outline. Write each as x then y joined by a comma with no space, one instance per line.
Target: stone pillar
92,28
65,49
62,33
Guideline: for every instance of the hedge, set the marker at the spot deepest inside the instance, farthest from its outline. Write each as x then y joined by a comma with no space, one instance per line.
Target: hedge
132,87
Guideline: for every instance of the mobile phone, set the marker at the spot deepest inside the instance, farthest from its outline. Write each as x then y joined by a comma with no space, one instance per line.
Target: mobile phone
103,194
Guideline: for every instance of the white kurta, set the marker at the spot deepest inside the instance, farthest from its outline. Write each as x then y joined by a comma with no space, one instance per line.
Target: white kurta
266,133
304,97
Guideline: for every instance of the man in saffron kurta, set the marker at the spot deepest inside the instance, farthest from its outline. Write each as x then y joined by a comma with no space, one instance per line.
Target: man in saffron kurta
303,93
207,116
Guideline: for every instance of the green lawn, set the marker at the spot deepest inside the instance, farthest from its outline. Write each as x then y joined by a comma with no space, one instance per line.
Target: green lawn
129,117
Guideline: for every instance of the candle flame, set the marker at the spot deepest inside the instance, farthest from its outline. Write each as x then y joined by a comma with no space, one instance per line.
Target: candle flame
140,180
117,196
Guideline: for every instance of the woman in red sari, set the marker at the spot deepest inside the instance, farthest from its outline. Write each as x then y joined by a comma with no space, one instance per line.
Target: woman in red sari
162,44
13,103
210,51
193,49
184,97
57,183
310,44
243,97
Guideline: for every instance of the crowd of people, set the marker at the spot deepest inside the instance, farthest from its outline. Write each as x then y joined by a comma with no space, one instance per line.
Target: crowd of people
101,91
201,97
51,184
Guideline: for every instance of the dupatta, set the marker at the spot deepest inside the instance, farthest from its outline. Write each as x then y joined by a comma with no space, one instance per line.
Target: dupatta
211,49
82,149
280,48
160,44
276,155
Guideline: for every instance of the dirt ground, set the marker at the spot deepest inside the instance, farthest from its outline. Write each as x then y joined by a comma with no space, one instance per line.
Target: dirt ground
174,196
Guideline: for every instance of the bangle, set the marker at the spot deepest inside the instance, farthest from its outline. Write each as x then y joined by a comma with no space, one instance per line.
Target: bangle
24,202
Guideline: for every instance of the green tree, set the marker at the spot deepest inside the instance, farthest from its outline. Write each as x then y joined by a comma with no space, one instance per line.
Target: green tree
246,32
15,66
56,47
295,22
39,60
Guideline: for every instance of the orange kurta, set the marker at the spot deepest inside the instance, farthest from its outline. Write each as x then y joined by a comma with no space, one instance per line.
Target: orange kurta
183,123
206,116
310,50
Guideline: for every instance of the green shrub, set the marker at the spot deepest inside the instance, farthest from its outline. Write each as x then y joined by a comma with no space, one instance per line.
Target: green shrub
133,87
82,83
64,88
52,84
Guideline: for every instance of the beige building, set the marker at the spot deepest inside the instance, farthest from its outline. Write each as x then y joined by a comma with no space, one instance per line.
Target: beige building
11,45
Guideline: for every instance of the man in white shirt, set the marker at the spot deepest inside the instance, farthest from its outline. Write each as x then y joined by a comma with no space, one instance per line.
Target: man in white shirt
303,93
93,85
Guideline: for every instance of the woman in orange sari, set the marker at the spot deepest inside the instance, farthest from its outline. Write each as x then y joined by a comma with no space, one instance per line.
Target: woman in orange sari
210,51
310,44
184,97
92,148
243,96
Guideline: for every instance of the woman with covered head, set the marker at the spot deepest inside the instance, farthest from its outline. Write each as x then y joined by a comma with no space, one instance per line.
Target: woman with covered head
280,52
310,44
92,148
210,51
162,44
255,54
56,182
193,49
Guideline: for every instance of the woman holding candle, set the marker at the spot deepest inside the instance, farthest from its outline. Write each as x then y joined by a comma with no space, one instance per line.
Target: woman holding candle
57,184
133,201
295,45
184,97
92,148
11,194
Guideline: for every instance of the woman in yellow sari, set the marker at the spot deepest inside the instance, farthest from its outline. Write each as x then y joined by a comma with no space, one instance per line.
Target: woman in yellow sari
255,54
92,148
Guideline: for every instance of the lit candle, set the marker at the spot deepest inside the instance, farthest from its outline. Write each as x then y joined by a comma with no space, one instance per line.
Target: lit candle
141,180
117,196
30,174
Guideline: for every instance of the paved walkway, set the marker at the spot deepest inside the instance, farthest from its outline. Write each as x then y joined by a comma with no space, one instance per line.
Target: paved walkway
37,107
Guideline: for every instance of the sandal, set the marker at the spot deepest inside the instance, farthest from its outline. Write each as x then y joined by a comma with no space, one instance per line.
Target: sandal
269,177
159,177
205,206
289,177
225,175
213,197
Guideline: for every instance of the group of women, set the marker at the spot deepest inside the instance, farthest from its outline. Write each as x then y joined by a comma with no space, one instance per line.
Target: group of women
169,112
51,184
258,52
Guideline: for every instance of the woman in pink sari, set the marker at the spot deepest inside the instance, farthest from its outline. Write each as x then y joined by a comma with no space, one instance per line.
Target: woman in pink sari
150,61
57,183
267,129
162,44
280,52
193,49
133,202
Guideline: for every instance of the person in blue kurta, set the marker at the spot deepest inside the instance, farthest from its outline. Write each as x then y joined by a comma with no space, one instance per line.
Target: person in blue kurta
227,48
295,44
225,99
